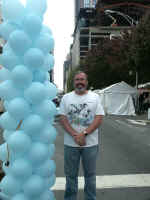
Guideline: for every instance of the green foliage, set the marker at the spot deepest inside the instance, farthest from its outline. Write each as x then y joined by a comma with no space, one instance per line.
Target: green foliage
119,59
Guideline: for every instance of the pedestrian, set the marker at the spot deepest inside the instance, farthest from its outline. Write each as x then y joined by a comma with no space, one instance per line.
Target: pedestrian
81,115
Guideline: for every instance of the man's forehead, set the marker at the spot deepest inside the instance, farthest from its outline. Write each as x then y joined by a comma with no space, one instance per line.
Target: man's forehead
80,75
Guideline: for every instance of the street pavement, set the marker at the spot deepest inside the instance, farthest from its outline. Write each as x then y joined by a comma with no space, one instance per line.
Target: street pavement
123,166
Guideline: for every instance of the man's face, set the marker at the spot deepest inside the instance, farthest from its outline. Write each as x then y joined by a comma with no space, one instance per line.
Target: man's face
80,82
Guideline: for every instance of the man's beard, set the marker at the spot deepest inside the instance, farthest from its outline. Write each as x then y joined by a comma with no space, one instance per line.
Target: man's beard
80,89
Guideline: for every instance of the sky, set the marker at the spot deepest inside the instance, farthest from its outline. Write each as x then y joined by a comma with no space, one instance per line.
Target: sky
60,18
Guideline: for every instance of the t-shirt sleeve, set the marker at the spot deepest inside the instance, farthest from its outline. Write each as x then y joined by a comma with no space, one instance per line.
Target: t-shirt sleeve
63,107
99,107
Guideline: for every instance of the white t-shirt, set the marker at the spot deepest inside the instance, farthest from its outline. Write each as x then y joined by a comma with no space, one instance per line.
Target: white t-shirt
80,111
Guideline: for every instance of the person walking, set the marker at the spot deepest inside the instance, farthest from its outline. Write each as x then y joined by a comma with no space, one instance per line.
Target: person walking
81,115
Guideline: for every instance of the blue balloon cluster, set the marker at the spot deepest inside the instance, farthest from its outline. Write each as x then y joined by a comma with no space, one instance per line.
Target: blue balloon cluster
27,93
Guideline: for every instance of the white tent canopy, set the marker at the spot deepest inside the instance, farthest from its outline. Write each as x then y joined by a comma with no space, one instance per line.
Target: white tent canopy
117,99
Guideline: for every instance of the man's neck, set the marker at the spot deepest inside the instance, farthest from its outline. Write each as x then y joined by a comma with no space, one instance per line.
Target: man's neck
81,92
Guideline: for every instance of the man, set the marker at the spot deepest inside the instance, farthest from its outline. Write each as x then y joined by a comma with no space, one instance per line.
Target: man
81,115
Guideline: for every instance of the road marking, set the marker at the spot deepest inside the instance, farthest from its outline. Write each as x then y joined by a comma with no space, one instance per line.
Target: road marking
110,181
139,122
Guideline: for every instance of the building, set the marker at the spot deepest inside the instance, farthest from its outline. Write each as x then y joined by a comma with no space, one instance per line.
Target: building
83,4
106,19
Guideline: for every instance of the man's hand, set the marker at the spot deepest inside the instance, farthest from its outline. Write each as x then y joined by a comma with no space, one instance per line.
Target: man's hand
80,139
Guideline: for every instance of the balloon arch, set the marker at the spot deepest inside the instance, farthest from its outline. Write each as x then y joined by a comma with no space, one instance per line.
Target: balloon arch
27,93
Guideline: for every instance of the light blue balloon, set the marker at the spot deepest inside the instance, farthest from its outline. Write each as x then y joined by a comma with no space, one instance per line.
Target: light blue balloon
46,169
19,142
51,89
7,134
19,42
50,181
36,93
38,8
32,24
38,153
6,29
34,58
21,76
20,196
5,104
10,186
51,150
3,152
45,42
12,10
9,60
4,74
21,169
48,135
7,122
46,29
48,62
47,76
8,91
47,195
34,186
46,109
39,76
33,124
18,108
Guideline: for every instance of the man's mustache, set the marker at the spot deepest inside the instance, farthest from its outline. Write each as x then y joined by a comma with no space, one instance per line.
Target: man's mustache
80,84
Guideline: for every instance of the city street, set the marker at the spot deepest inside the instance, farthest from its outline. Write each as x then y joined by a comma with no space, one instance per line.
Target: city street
123,167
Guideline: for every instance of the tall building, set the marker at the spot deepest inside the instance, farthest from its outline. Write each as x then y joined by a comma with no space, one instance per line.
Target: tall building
83,4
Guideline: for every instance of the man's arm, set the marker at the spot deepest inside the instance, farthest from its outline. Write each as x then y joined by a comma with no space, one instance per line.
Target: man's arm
66,125
95,124
92,127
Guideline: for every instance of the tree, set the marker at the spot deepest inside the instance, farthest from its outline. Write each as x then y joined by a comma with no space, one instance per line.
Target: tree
140,49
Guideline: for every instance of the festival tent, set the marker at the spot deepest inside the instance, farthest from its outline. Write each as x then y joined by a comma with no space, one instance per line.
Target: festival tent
117,99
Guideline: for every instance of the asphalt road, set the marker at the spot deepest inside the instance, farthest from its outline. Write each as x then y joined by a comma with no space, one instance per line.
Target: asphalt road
123,166
122,163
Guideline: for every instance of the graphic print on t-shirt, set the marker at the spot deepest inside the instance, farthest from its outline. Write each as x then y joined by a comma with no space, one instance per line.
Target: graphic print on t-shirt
80,114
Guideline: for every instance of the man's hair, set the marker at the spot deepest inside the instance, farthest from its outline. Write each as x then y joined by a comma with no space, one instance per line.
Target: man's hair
80,72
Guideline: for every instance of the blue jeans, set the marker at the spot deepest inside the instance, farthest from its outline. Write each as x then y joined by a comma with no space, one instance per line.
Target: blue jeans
72,156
